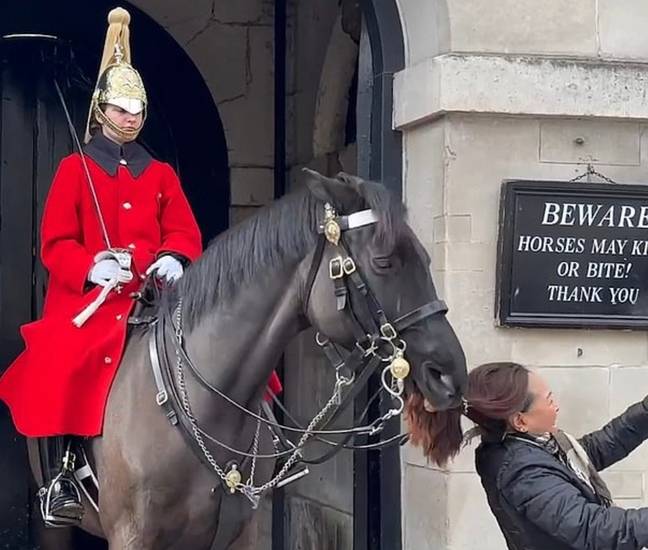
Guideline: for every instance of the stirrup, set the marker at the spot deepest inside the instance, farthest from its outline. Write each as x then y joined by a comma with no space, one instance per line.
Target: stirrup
53,519
45,494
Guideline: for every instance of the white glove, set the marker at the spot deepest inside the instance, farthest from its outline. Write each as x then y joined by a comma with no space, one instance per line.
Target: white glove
166,267
106,270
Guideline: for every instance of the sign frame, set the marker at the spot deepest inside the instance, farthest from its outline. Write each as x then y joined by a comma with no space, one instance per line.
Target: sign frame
510,190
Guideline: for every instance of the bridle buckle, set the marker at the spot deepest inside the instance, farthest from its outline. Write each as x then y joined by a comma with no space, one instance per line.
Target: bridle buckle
348,265
339,267
388,331
336,268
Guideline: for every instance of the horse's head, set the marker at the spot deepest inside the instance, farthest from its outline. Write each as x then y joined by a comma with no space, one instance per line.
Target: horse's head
390,259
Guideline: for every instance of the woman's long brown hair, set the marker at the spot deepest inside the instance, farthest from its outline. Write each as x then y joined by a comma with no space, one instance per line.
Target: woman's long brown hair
495,392
438,434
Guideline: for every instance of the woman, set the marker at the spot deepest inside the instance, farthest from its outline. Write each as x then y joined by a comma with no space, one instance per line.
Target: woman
543,485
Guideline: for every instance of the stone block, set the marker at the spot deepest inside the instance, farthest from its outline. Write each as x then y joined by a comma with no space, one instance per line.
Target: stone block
220,52
260,73
518,26
426,27
438,253
463,256
244,12
459,228
169,13
622,29
454,229
470,296
625,485
629,385
582,393
425,509
249,131
519,85
425,169
572,141
439,233
251,186
467,506
565,347
474,175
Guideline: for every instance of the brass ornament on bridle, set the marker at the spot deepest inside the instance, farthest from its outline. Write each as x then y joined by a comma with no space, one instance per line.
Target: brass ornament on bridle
233,478
400,367
332,230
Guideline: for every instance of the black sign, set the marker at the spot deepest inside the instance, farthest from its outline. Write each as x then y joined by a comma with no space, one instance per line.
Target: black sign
573,254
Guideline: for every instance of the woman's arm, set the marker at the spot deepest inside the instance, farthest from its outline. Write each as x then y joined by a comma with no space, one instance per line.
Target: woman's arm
546,497
619,437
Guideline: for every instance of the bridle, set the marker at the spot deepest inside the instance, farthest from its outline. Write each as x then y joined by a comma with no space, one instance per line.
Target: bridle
378,347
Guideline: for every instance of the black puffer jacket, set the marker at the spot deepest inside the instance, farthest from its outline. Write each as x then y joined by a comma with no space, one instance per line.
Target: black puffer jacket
540,504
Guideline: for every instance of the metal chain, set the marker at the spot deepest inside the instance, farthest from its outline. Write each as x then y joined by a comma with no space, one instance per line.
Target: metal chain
590,171
255,450
248,489
185,398
302,441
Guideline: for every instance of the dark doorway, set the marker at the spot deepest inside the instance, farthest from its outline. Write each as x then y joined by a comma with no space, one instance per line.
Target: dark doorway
183,129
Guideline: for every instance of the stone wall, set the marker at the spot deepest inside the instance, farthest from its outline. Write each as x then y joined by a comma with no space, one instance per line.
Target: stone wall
502,90
232,45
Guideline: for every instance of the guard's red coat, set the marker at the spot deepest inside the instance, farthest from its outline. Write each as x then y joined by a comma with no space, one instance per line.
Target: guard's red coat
60,383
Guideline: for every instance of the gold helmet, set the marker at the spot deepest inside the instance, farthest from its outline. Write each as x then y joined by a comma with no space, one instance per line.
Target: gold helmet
118,83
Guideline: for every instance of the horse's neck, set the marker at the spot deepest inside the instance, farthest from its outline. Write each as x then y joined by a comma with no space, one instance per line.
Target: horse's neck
238,344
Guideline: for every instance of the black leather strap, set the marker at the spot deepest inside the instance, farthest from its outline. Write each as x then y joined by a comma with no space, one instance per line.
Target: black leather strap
426,310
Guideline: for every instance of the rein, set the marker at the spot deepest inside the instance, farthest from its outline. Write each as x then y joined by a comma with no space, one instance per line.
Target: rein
378,348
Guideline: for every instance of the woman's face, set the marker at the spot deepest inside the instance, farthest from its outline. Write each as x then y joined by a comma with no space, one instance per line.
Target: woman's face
123,119
541,415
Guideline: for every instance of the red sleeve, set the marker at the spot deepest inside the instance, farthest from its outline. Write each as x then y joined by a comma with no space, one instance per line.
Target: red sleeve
180,232
62,251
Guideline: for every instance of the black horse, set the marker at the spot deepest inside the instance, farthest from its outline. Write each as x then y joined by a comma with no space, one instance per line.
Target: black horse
233,313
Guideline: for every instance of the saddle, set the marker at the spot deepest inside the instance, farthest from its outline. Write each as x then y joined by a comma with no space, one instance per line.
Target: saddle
147,303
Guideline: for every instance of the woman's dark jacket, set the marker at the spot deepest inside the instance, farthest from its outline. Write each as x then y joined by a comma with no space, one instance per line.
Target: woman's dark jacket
540,503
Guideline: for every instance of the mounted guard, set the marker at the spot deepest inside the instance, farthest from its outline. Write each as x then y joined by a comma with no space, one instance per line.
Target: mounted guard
113,216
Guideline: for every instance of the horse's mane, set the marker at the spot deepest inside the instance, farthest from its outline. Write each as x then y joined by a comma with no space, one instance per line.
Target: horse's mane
284,231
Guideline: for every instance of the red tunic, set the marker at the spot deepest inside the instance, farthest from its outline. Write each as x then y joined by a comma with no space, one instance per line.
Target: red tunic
60,383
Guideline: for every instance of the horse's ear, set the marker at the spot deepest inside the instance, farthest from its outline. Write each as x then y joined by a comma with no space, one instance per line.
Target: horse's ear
352,181
342,190
320,186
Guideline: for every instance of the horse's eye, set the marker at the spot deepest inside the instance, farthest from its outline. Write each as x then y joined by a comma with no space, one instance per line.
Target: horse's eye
382,263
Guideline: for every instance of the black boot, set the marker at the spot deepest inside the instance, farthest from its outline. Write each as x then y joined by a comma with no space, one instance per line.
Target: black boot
60,497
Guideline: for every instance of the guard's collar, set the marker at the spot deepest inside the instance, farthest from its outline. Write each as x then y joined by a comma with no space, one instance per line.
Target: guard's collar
108,155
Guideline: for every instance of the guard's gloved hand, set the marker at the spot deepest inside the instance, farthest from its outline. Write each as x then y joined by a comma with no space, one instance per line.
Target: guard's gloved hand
107,268
167,268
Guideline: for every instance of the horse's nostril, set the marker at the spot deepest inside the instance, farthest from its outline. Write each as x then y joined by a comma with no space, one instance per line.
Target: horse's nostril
447,381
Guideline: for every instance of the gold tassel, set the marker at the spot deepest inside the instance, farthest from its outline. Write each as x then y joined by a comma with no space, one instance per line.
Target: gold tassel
118,34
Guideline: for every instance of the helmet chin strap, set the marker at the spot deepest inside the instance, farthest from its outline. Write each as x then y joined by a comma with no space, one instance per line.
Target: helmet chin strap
127,134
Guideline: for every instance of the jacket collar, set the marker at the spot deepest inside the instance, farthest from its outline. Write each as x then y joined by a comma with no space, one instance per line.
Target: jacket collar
554,450
109,155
